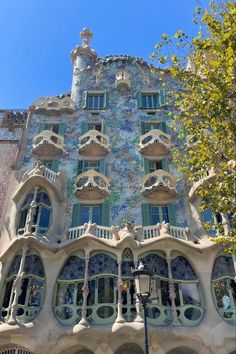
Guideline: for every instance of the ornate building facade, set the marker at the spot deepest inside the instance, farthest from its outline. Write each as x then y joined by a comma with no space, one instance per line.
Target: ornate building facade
88,189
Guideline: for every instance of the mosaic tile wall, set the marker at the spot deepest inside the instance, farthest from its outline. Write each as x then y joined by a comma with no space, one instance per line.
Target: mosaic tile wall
124,164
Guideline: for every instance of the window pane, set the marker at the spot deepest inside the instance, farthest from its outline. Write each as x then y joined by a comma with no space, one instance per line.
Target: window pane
44,217
190,294
95,102
96,214
23,217
155,215
165,215
91,295
65,294
165,298
101,102
84,214
24,285
144,101
105,290
79,297
36,288
7,294
150,102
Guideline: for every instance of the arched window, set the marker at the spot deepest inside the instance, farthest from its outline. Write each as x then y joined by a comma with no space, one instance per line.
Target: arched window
128,289
35,213
102,298
188,295
32,286
224,288
159,311
69,294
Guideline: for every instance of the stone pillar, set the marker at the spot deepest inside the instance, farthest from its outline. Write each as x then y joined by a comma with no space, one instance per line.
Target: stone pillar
85,288
119,318
30,214
16,288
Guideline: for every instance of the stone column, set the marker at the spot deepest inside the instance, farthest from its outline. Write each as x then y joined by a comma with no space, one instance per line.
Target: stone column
16,289
30,214
85,289
172,294
119,318
137,303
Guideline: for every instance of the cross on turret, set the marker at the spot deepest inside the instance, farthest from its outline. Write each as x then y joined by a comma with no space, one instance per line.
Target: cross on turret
86,34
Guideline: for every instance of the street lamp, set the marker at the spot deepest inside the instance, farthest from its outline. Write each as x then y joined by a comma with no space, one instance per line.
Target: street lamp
143,277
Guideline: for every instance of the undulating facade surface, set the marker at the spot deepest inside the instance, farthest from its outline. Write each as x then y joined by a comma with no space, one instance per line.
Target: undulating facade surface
89,189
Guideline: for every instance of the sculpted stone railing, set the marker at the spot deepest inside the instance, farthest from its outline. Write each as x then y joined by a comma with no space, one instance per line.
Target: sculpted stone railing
93,143
159,185
91,185
53,105
122,82
193,140
139,233
56,179
15,350
48,144
155,143
206,176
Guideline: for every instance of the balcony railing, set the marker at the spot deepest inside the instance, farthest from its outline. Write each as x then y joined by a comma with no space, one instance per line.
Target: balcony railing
148,232
93,143
55,178
91,185
205,177
155,143
159,185
48,144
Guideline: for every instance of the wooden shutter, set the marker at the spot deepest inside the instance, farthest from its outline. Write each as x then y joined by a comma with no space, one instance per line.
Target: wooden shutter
143,128
105,104
161,98
146,214
146,165
75,215
102,166
163,126
62,129
84,127
55,165
139,100
84,99
105,214
172,214
41,127
165,165
80,167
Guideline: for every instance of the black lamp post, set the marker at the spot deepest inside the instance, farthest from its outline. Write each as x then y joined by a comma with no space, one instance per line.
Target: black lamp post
143,277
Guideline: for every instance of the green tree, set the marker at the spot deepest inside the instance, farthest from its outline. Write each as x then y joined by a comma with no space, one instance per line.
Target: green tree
205,67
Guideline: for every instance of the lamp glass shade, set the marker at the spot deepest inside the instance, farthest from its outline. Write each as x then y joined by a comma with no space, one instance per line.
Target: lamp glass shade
143,278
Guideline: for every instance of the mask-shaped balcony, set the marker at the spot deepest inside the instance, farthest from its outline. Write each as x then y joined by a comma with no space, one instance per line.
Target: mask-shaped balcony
122,82
93,143
48,144
160,186
91,185
155,143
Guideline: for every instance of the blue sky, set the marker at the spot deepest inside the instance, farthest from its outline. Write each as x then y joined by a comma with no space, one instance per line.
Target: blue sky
37,36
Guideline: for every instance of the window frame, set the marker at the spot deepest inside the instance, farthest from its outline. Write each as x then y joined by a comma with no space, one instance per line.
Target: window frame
86,95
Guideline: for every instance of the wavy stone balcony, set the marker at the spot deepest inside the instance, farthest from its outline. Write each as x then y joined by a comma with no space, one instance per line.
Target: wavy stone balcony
155,143
91,185
54,105
122,83
160,186
48,144
93,143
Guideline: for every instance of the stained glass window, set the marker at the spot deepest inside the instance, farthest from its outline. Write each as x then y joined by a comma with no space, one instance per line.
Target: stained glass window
224,288
102,263
30,298
182,269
